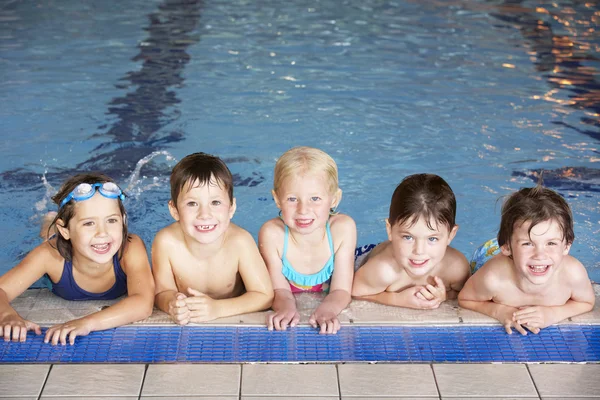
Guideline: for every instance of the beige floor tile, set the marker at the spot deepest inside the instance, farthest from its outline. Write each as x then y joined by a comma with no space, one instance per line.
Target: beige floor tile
22,380
290,398
88,380
192,380
289,380
401,380
564,380
19,398
190,398
484,380
387,398
369,313
87,398
572,398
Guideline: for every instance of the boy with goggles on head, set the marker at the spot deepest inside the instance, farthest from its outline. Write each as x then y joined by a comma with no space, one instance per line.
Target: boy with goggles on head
91,257
204,266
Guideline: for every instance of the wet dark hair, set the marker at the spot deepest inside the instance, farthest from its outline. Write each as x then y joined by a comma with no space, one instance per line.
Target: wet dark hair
535,205
67,212
423,195
200,167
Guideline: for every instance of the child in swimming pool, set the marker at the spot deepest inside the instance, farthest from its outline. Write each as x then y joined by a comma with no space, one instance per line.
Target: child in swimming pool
309,247
204,266
92,257
534,282
415,267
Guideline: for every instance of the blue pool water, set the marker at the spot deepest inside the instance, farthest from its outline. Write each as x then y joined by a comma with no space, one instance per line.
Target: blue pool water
484,93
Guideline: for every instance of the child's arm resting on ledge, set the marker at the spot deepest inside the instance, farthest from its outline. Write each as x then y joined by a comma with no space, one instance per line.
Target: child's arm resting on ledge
259,291
372,280
136,306
326,314
582,300
477,295
167,297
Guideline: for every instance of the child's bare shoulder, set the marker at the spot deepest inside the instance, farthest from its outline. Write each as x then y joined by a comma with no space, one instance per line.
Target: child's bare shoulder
382,260
238,235
456,267
341,222
573,270
169,233
498,271
272,229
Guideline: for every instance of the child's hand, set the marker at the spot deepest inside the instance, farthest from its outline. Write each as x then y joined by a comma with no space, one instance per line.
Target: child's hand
279,320
178,309
72,329
17,327
326,319
435,292
201,306
507,319
533,318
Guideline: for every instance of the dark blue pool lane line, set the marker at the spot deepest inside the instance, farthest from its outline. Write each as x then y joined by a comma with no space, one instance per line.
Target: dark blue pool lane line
565,343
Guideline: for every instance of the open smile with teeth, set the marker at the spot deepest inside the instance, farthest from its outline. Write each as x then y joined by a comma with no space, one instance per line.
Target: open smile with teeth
304,222
205,228
101,248
418,263
538,269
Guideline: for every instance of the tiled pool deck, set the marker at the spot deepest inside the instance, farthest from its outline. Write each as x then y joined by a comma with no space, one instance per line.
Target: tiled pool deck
292,380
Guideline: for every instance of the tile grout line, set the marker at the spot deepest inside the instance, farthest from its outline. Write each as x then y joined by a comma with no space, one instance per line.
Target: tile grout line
437,387
533,381
339,385
143,380
241,377
45,381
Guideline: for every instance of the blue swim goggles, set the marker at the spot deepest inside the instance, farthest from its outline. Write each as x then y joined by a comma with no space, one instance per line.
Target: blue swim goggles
84,191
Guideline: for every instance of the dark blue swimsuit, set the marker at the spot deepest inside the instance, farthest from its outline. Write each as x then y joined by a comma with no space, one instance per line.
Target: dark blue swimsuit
68,289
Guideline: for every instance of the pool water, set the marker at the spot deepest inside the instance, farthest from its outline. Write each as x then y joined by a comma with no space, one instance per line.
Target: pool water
484,93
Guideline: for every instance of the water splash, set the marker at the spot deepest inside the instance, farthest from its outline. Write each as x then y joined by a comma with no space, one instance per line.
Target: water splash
42,205
134,186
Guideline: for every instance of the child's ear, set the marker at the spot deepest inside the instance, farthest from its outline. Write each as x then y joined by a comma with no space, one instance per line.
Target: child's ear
62,229
173,210
452,233
567,249
388,229
337,199
505,249
277,203
232,208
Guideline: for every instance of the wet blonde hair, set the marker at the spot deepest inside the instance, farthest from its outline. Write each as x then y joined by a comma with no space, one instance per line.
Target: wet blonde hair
300,160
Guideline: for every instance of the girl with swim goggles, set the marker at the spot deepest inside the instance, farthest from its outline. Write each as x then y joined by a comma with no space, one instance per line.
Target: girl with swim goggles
91,257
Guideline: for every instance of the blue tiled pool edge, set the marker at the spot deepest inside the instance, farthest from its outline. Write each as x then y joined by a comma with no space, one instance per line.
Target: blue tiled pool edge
239,344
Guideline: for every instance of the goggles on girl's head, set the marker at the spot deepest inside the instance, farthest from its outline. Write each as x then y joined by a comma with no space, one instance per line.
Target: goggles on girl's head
84,191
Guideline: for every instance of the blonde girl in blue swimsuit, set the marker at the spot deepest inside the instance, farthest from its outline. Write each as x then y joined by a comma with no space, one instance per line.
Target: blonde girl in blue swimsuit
309,248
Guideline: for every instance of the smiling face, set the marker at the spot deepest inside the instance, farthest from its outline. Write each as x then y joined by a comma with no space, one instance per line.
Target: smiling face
203,211
418,248
305,201
95,230
538,253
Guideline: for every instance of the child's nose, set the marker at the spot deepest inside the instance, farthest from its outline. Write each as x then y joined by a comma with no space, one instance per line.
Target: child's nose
419,247
302,207
203,211
101,230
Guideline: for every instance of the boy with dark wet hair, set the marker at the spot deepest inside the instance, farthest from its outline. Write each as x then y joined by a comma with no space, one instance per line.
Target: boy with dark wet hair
204,266
534,282
415,267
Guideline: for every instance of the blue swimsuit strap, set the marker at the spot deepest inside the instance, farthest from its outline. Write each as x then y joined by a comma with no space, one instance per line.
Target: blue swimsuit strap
302,279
